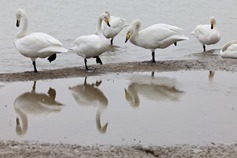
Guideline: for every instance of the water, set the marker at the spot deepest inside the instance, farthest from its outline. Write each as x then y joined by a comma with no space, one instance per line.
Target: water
66,20
140,108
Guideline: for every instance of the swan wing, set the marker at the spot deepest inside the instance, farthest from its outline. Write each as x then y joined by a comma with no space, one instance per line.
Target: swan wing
158,36
170,27
116,25
117,22
39,43
206,35
89,46
229,50
201,30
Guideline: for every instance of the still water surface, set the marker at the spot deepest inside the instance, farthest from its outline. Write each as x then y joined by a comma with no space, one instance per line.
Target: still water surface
140,108
68,19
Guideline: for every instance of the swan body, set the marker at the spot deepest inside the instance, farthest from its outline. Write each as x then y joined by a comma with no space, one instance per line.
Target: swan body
91,46
116,26
35,45
229,50
207,34
153,37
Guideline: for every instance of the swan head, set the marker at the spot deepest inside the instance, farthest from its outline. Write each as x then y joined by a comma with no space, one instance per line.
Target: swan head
107,12
105,17
213,22
133,29
19,13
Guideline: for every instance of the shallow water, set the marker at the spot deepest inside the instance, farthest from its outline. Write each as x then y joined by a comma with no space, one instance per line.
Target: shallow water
66,20
140,108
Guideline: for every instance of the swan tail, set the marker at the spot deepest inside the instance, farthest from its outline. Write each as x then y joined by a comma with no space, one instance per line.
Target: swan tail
193,33
73,50
182,37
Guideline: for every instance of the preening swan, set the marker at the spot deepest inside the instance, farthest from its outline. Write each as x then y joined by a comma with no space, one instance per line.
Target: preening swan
153,37
207,34
116,26
35,45
91,46
229,50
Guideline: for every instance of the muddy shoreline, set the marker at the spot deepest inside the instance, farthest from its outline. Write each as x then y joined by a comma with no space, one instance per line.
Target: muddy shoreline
34,149
221,64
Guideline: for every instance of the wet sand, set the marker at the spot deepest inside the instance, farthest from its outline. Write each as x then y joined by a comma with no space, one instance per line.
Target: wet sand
30,149
34,149
221,64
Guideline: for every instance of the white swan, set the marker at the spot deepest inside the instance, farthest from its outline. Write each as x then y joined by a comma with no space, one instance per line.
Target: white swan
91,46
153,37
116,26
35,45
229,50
207,34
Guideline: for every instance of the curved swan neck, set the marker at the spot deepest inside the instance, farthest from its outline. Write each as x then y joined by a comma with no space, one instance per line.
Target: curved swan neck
23,31
99,27
135,29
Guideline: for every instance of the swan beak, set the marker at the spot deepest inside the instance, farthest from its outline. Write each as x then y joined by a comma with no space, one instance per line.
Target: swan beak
127,37
212,24
107,21
17,23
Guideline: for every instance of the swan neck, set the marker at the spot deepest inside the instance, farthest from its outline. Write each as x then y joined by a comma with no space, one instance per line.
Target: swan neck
99,26
23,31
134,37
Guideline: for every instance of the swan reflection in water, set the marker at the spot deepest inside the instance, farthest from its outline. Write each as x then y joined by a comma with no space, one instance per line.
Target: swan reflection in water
152,88
89,95
2,84
211,75
36,104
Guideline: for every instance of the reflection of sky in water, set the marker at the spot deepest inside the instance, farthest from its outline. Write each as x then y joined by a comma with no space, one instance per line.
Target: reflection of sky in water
148,108
68,20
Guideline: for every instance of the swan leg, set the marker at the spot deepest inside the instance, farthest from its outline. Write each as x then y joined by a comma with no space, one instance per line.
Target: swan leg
111,41
34,64
175,43
85,61
204,48
98,60
153,57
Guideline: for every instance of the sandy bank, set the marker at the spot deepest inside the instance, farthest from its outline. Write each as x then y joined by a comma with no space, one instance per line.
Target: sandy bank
159,66
29,149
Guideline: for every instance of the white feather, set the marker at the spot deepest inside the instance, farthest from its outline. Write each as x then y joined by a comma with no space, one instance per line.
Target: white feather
229,50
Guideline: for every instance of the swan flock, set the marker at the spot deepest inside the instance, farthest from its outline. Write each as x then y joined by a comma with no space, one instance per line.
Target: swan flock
158,36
